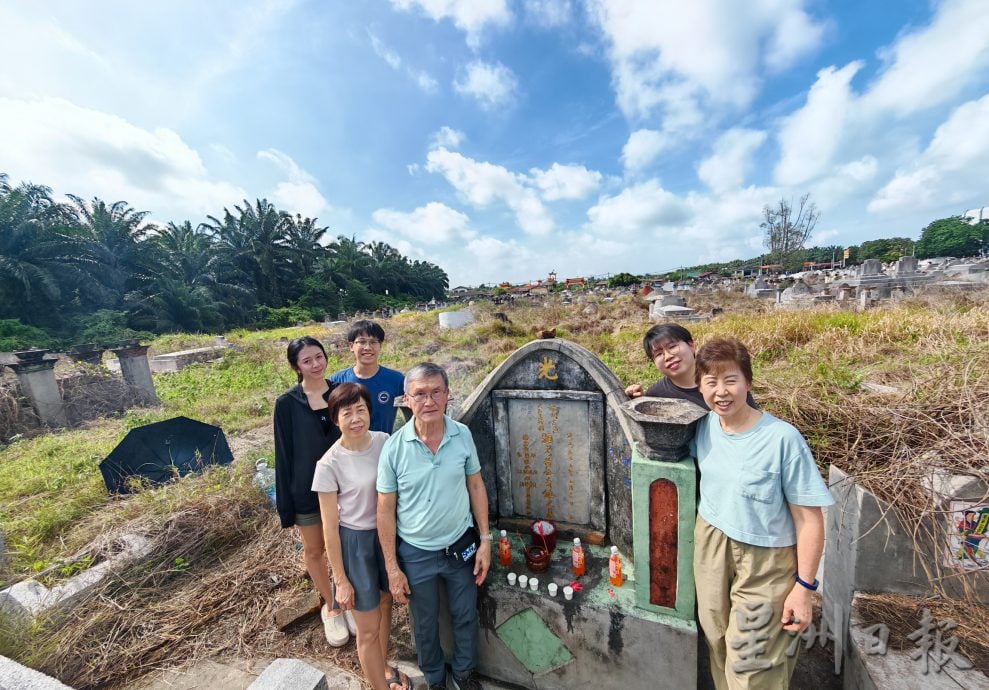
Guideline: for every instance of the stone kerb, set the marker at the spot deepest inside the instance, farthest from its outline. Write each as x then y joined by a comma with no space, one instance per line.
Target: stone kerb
14,676
29,599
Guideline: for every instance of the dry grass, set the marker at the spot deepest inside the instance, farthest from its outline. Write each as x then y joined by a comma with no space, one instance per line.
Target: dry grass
218,569
902,615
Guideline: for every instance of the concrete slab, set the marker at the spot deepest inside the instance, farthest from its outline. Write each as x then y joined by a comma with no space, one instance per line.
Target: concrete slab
236,673
172,362
290,674
14,676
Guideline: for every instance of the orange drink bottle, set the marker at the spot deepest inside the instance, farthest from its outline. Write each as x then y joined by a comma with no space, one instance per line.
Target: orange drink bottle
615,568
504,549
577,556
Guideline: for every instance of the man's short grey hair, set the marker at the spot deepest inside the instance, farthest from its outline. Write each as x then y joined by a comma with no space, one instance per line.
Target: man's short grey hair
425,370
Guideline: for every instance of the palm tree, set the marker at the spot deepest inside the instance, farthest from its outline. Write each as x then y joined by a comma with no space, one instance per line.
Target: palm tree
256,242
111,248
32,257
304,243
348,258
190,287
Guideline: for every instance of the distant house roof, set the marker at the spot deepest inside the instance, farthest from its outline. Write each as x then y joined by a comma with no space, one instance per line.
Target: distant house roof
575,281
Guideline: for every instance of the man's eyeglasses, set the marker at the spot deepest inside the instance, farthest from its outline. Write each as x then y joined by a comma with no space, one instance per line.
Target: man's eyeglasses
420,398
367,342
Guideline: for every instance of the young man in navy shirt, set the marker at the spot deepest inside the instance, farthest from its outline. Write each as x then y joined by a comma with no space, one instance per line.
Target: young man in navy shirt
364,340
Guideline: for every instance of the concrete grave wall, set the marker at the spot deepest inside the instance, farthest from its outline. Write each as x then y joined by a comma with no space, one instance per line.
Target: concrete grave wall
869,550
599,639
863,668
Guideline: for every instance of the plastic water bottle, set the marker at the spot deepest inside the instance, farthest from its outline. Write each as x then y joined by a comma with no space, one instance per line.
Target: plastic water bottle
265,478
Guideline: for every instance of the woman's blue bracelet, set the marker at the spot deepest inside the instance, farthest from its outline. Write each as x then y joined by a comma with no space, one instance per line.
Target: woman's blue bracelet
811,587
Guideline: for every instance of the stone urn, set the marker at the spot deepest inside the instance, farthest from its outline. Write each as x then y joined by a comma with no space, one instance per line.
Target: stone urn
32,356
663,427
91,353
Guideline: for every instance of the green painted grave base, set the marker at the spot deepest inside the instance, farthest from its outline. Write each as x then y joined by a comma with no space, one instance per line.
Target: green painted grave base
532,642
684,477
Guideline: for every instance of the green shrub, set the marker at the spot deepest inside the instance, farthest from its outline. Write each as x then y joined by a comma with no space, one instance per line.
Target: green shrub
282,317
15,335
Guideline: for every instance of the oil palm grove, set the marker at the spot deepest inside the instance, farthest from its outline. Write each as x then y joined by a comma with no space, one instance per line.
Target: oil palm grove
83,270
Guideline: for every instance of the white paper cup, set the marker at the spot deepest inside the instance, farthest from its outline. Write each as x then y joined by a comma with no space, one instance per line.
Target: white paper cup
534,584
568,592
511,579
552,589
523,581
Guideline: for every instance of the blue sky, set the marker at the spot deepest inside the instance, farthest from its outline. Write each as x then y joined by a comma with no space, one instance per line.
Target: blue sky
504,139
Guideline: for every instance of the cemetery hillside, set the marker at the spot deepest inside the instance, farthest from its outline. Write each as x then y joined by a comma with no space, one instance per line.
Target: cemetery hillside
886,394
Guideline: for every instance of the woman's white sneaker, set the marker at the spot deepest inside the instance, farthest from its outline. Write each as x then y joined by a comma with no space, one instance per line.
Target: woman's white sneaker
351,623
334,627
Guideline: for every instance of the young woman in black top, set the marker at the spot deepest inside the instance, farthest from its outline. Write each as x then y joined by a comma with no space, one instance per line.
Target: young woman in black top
303,433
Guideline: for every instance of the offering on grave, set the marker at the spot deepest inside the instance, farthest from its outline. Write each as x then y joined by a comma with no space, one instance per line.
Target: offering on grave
615,568
577,557
504,550
543,534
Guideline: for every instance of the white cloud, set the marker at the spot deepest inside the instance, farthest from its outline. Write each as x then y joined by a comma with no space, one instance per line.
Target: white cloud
810,136
642,148
924,68
91,153
447,137
424,80
500,255
566,181
421,78
548,13
846,181
933,64
491,85
434,223
482,183
727,167
641,208
952,170
794,36
705,50
384,52
470,16
299,193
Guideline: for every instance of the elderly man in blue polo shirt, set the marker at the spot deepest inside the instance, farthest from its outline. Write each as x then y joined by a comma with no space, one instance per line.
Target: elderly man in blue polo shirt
429,484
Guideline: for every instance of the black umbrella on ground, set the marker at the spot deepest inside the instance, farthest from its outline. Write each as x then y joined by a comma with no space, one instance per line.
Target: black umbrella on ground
164,450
